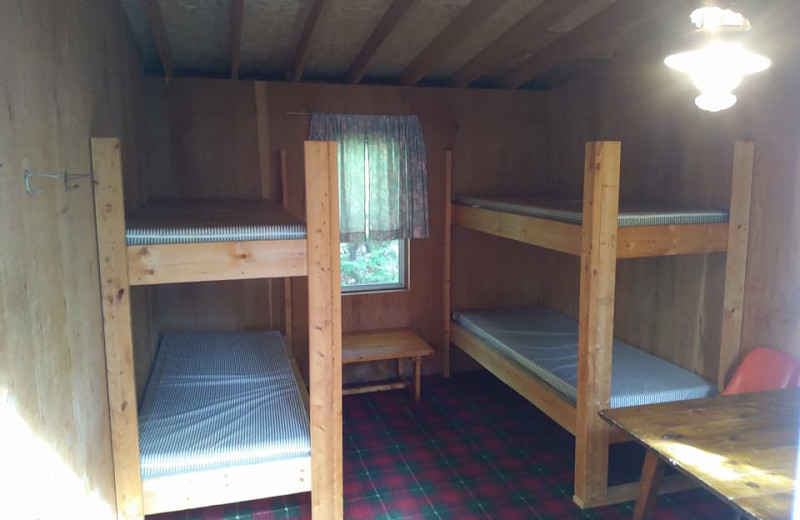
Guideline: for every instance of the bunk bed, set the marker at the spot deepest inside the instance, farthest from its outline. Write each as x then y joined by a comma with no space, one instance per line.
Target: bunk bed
564,366
225,417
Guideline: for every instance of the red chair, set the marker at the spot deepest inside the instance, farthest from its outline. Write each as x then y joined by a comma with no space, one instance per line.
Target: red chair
764,369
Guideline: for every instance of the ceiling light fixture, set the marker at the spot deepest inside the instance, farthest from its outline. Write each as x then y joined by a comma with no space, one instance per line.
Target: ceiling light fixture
719,66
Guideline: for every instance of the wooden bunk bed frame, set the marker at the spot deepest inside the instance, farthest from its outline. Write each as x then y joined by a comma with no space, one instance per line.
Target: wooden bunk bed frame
600,243
122,266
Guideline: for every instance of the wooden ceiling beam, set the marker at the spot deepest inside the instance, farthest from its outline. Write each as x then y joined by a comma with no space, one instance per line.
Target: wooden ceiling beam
572,43
540,19
471,16
159,32
387,23
237,15
304,45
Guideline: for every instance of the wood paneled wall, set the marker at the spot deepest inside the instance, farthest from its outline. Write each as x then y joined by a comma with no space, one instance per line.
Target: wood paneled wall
224,139
69,71
673,152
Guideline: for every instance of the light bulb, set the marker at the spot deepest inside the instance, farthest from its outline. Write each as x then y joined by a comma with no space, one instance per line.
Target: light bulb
715,101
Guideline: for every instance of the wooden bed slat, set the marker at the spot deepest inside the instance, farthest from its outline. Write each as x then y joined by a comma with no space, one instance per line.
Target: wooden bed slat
180,263
115,290
632,242
226,485
550,234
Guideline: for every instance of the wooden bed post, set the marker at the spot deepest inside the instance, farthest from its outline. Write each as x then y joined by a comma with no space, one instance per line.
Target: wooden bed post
115,291
324,329
287,282
448,224
736,260
596,318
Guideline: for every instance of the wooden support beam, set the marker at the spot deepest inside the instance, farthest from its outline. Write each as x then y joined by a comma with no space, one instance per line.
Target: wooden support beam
540,19
287,282
596,317
388,21
237,14
324,329
736,260
159,32
448,225
472,15
116,306
572,43
303,46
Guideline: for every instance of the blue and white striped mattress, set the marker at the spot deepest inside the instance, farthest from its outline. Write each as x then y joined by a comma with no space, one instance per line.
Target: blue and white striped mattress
571,211
181,221
218,400
545,343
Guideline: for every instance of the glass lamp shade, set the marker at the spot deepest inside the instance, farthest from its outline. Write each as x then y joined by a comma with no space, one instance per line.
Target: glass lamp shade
717,69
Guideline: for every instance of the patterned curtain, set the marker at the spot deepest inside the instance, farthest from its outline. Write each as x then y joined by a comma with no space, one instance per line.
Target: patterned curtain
383,188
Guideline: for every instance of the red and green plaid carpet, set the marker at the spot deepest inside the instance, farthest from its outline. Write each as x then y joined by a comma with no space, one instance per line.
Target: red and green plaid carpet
470,449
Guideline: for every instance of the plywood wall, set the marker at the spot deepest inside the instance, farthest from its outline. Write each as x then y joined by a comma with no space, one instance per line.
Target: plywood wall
673,152
224,138
69,71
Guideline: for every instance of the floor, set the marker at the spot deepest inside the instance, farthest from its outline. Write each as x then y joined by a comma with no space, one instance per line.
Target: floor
470,449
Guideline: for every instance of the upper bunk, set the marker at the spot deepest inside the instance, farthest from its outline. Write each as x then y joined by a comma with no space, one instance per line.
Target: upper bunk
193,240
559,224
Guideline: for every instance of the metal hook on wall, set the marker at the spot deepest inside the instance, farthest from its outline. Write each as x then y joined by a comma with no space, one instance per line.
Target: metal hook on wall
66,176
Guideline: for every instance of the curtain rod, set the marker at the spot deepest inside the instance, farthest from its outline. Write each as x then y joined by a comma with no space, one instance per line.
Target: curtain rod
435,116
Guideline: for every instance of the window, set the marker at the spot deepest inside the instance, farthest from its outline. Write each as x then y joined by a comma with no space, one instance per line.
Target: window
383,199
373,265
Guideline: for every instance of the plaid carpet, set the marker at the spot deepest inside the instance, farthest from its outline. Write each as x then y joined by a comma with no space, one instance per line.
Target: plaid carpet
471,448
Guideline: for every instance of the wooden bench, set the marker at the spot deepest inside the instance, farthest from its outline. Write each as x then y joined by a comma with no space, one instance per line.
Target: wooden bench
382,345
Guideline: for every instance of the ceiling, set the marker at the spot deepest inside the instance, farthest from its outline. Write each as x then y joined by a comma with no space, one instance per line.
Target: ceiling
478,43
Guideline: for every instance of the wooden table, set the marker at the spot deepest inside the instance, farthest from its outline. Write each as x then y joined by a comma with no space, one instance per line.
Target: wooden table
385,345
742,448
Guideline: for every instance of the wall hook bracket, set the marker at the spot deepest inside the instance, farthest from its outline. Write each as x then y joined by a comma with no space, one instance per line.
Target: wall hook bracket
68,179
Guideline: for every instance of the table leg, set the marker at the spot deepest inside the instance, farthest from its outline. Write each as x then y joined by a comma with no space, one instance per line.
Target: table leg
417,374
652,471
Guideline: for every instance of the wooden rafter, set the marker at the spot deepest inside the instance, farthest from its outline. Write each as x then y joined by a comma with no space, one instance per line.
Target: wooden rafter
575,41
388,22
159,32
472,15
237,13
303,46
541,18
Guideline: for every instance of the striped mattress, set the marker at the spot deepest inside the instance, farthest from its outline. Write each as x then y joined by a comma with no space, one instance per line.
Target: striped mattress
571,211
218,400
180,221
545,343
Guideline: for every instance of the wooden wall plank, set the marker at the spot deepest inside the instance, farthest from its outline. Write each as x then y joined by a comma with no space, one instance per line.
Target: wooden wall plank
70,71
596,318
324,329
115,291
736,260
447,245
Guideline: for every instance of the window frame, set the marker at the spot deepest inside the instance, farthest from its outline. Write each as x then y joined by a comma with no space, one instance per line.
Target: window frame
403,252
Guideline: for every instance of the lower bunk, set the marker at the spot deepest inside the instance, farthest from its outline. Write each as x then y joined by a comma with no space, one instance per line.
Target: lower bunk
534,350
224,418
